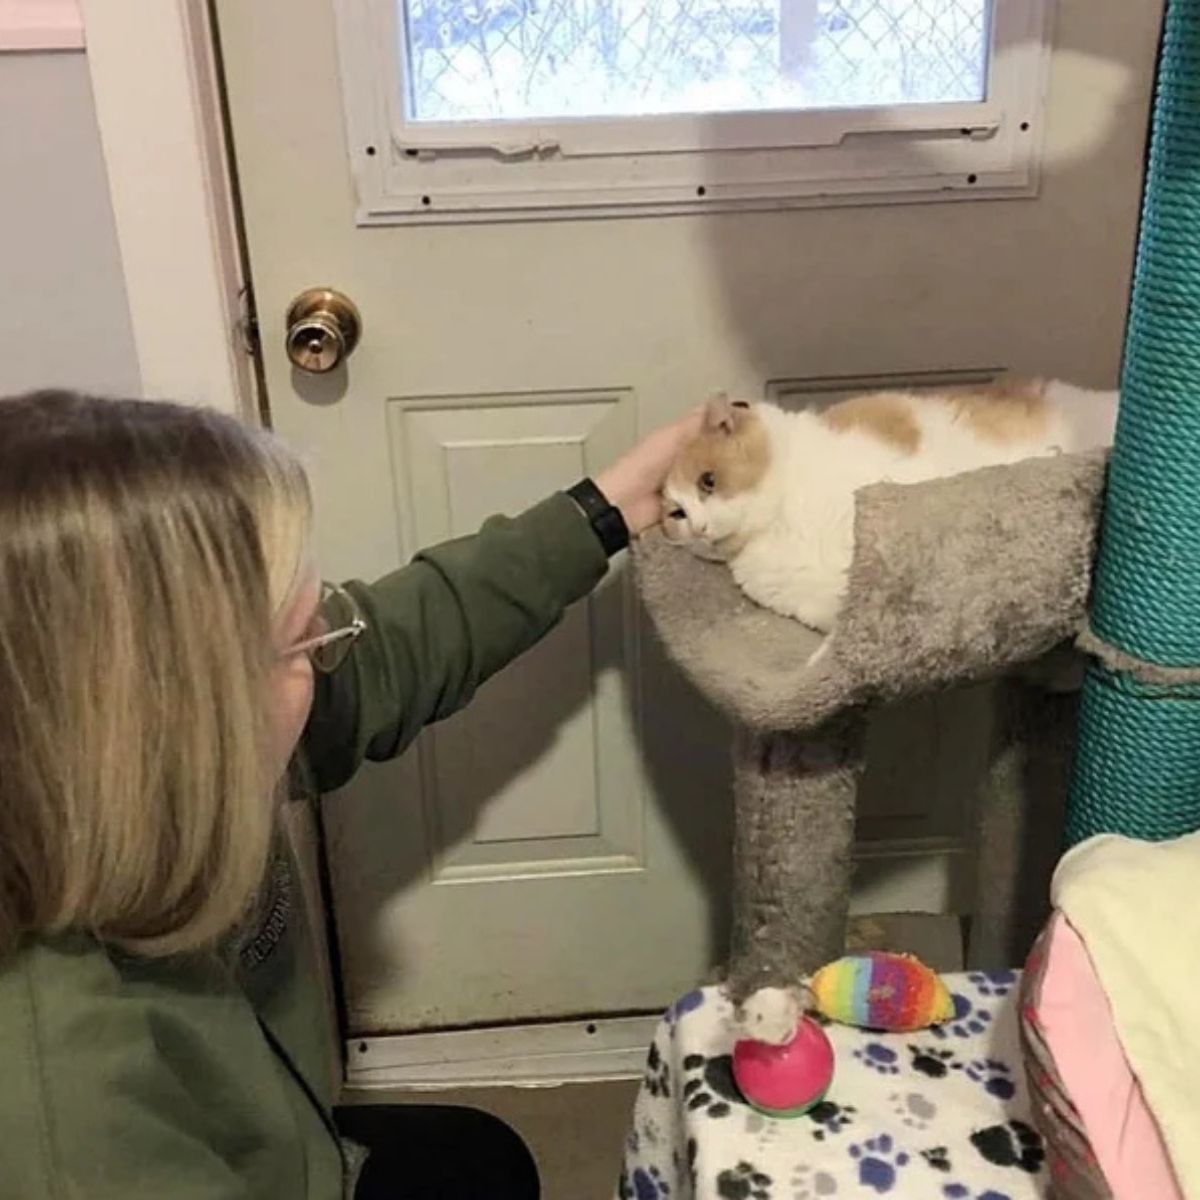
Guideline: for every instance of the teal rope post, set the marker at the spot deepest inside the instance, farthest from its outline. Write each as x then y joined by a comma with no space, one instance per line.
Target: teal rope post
1138,767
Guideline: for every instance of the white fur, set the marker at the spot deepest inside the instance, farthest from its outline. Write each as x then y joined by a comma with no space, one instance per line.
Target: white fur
790,540
772,1015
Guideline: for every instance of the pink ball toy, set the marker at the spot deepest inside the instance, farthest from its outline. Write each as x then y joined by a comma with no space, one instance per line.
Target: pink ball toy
785,1081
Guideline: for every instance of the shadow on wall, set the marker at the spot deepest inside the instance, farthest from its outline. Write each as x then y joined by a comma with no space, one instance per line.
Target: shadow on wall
1068,252
471,783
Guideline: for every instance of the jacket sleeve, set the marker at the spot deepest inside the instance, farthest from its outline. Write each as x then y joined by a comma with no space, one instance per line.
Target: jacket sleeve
441,626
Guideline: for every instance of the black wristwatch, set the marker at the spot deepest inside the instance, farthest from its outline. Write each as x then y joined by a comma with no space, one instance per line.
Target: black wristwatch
604,518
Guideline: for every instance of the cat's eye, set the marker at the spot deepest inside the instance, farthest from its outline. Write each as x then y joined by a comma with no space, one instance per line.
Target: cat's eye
708,482
677,514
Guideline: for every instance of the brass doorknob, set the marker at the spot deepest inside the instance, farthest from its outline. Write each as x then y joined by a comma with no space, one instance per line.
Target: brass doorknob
323,327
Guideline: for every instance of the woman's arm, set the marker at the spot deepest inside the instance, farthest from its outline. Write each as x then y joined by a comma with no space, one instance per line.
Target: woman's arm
441,626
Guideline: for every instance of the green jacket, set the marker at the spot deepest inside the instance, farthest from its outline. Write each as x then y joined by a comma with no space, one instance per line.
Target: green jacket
206,1077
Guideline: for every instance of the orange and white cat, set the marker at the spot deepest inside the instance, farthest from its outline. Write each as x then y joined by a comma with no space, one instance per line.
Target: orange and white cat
772,492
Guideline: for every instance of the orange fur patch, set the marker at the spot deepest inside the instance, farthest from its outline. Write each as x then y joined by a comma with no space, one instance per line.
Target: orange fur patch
1008,411
887,416
738,460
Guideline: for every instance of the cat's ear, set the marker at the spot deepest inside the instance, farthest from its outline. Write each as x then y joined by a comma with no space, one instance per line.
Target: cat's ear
721,414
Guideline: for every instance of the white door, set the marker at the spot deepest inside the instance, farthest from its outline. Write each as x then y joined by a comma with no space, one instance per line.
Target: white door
549,258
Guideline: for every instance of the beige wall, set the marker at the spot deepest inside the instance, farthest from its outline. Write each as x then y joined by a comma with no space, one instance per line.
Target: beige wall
66,316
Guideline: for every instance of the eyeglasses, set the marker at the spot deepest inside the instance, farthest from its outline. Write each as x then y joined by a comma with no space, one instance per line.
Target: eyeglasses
343,623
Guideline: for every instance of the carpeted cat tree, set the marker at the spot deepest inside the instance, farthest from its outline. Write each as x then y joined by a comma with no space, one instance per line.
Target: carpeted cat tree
952,581
987,575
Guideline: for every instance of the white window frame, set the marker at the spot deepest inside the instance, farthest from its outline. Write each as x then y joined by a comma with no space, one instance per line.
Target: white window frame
428,172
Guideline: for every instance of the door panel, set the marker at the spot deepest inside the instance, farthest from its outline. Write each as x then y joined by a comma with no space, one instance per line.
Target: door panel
563,847
506,769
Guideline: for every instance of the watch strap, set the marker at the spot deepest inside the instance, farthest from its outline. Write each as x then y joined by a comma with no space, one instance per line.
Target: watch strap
604,517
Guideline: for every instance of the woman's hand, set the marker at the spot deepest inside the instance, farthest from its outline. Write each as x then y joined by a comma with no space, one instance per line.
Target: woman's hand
634,482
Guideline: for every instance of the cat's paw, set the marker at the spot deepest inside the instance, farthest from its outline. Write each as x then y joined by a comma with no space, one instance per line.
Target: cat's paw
816,606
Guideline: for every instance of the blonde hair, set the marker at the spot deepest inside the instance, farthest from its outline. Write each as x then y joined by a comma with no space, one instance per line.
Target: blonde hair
145,553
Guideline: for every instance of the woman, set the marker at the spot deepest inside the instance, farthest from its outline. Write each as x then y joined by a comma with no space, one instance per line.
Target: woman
165,644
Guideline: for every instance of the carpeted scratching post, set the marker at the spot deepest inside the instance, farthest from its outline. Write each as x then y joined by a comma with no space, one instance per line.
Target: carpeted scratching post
1138,769
953,581
1020,817
795,821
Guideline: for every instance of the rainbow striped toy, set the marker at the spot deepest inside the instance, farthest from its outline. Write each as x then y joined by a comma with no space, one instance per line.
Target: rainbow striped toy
892,993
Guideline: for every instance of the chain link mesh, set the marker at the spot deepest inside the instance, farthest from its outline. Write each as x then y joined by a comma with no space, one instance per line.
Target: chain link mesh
514,59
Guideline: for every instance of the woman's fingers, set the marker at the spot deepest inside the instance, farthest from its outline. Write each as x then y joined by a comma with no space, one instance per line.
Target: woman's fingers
635,481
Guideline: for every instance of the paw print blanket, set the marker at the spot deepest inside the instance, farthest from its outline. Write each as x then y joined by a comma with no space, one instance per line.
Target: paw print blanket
939,1115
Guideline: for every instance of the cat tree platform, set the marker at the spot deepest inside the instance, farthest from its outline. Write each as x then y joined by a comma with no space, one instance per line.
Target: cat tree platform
953,581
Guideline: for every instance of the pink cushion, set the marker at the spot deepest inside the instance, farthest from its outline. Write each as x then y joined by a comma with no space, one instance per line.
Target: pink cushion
1076,1022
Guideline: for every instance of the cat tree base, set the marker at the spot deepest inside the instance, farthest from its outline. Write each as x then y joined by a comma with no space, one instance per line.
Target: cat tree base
953,581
